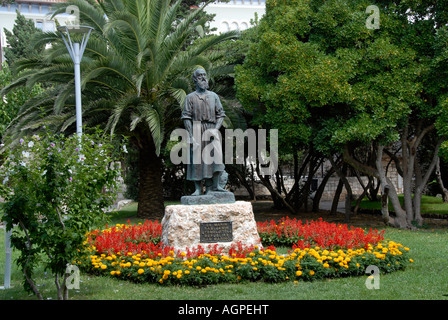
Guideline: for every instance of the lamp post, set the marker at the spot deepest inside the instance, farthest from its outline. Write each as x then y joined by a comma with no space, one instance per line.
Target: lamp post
76,50
7,277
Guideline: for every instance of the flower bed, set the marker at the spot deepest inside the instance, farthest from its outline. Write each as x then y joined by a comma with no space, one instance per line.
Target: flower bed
318,250
292,232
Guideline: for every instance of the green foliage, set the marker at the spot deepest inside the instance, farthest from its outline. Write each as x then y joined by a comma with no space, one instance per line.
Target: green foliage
55,189
19,40
11,102
319,75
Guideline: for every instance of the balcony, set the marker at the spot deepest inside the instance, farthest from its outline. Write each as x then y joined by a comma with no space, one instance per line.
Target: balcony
38,1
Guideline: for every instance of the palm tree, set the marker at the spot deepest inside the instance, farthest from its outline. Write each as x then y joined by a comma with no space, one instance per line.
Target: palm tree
136,73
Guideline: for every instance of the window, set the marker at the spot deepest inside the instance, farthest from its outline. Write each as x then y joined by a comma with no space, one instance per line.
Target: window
40,25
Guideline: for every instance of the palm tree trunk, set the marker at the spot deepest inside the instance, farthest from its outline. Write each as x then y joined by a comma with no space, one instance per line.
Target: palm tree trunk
150,193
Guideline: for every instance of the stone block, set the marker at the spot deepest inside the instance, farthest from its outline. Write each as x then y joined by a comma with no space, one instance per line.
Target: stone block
181,225
209,198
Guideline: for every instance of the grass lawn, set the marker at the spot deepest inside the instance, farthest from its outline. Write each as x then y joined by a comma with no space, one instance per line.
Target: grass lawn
430,205
425,279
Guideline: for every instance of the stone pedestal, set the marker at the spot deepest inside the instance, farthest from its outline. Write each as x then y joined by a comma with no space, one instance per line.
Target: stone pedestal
212,197
182,224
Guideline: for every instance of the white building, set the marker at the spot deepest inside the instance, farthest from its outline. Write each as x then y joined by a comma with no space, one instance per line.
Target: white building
233,15
38,11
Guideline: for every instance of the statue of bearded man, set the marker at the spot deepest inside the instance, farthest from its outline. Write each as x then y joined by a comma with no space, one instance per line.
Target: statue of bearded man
203,109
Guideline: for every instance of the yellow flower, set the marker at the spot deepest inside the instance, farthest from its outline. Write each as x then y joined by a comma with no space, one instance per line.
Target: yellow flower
311,273
411,260
103,267
140,271
298,273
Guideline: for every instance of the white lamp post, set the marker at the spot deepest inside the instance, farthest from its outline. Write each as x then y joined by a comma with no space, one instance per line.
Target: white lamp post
76,50
7,277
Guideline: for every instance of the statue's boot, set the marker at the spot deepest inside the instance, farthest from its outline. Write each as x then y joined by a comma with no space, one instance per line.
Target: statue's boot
216,186
198,187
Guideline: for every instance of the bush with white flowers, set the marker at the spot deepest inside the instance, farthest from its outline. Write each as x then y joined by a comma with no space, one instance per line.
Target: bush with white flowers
55,189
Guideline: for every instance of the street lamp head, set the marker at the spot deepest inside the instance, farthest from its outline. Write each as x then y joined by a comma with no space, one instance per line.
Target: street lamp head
76,50
75,29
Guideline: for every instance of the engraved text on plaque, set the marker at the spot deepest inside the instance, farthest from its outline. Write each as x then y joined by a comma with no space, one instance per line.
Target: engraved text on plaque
216,232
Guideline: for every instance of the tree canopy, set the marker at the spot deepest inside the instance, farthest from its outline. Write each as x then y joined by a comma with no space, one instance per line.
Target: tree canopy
326,80
19,39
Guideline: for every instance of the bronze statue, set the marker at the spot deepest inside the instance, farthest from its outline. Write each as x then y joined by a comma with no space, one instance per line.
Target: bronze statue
203,108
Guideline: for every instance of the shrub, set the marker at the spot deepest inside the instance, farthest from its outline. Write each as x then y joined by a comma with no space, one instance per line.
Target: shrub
55,190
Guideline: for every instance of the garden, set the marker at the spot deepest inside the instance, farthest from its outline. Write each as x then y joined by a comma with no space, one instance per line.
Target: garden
422,279
348,102
318,250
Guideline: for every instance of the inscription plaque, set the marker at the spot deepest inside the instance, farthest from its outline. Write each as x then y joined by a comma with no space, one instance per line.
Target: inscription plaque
216,232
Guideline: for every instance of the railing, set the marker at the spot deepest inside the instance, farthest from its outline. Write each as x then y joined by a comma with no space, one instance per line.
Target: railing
37,1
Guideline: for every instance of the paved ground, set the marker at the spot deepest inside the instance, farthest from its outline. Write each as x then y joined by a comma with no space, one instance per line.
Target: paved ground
326,205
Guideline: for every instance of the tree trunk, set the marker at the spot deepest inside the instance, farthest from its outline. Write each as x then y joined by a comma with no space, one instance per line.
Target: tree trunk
385,205
421,182
277,198
150,193
364,192
400,220
343,179
337,195
252,176
438,173
320,189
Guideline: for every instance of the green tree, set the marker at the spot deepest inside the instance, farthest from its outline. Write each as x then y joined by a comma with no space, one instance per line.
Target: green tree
136,73
19,40
325,80
10,103
285,76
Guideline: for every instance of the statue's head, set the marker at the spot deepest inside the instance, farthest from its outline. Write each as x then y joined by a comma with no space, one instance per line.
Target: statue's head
200,79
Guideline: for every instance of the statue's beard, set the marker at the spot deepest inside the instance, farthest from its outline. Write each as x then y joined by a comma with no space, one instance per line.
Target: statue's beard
203,84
